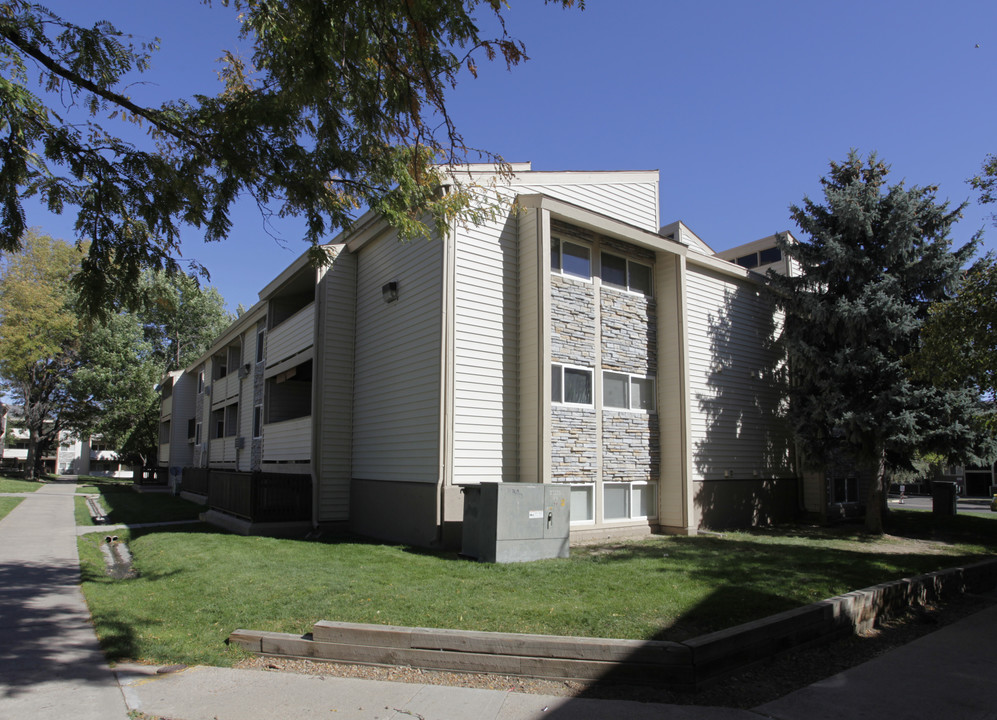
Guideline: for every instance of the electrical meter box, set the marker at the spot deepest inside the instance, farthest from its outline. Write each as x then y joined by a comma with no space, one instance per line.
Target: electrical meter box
516,522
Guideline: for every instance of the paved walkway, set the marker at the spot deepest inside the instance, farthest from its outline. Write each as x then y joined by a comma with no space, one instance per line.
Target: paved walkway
50,663
51,667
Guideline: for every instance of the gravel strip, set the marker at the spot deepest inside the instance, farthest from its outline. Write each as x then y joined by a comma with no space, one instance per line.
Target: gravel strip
747,689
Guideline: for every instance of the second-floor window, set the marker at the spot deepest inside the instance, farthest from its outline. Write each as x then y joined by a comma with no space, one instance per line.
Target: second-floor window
619,272
571,385
568,258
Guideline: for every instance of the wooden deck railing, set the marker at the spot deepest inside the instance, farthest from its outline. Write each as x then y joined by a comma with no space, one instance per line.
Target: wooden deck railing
258,497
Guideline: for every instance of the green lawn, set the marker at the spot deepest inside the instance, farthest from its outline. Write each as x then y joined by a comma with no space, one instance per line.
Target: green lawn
124,505
7,504
12,485
196,585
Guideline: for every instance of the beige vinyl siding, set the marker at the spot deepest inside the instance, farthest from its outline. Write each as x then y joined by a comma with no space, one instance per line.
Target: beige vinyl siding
184,389
635,203
396,411
735,431
291,337
532,391
285,442
246,401
674,506
486,356
337,293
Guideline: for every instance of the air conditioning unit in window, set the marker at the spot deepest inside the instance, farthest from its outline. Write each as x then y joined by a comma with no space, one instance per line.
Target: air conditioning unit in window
240,443
243,370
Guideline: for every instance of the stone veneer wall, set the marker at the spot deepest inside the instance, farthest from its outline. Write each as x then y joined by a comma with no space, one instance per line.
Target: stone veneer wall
199,456
572,322
256,458
630,449
574,454
627,337
574,448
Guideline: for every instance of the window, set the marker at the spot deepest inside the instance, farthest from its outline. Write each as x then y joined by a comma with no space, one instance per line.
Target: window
769,255
570,258
231,419
616,501
845,490
221,367
258,421
197,434
200,381
582,504
627,392
571,385
748,261
629,501
260,337
217,424
234,356
626,274
191,429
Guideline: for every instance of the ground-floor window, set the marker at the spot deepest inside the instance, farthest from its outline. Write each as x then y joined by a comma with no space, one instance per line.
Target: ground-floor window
629,501
582,504
845,490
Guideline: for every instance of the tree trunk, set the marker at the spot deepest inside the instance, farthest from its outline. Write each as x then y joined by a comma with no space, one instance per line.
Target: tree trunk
876,502
29,461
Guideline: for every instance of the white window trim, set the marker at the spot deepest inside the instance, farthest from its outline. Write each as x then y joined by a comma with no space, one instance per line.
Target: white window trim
590,371
591,486
630,378
629,262
630,501
560,271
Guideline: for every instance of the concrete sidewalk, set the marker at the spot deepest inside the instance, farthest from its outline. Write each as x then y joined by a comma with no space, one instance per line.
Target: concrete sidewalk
51,666
950,674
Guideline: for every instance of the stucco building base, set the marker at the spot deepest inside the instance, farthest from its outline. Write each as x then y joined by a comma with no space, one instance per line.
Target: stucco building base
240,526
403,512
722,504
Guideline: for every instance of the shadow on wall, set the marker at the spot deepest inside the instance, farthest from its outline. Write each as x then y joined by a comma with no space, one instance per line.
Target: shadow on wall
741,503
744,462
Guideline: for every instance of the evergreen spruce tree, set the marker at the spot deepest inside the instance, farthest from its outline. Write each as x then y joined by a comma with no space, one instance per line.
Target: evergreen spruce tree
877,257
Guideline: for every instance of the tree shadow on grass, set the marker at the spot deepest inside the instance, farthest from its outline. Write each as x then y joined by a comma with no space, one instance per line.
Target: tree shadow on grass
779,576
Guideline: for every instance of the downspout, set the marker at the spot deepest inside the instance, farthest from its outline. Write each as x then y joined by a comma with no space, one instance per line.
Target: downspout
444,477
318,373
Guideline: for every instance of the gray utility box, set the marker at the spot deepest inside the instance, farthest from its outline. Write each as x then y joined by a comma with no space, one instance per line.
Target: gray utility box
516,522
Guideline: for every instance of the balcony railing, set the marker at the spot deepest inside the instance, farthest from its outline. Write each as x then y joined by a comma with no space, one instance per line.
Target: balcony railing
288,441
292,336
194,480
261,497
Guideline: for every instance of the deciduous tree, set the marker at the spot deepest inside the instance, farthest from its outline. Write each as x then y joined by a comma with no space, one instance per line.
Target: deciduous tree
342,106
39,336
959,339
874,260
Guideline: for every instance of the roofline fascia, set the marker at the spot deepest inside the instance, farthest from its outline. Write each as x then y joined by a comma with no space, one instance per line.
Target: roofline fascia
239,325
604,224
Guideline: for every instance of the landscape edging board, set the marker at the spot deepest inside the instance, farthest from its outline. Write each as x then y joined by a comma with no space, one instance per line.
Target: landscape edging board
670,664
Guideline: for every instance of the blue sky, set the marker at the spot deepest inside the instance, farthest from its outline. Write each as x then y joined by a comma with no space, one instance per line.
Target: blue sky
740,106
